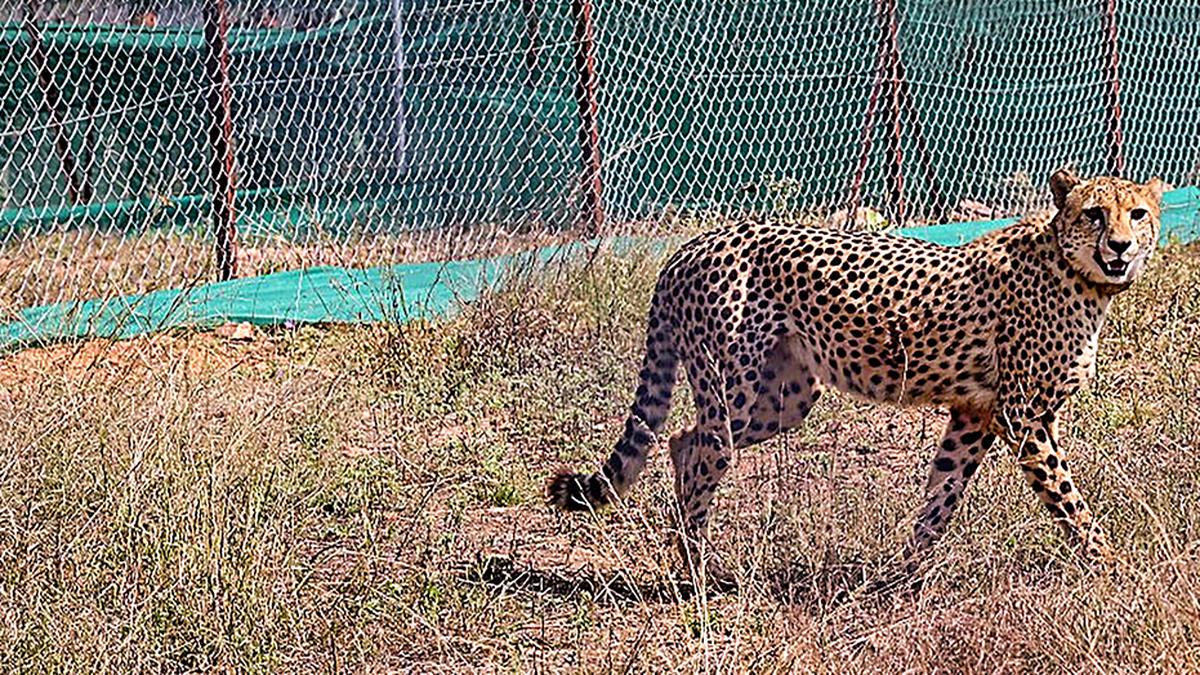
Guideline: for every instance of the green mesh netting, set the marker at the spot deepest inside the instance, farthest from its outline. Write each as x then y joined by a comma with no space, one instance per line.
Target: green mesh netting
377,132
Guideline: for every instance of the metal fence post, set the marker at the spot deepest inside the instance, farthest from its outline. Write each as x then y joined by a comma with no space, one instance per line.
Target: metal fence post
585,97
532,28
77,192
399,130
1116,153
865,138
895,146
216,28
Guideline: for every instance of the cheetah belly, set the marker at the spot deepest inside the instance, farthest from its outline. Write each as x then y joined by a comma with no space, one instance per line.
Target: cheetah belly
875,368
881,317
906,327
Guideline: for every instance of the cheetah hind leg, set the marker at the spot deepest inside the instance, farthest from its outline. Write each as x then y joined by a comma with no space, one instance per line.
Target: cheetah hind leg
689,450
786,393
771,394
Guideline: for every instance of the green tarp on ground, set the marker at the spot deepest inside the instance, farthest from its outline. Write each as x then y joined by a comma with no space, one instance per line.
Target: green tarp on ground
393,293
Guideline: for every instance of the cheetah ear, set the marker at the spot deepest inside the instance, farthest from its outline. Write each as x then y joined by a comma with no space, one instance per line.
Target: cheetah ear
1155,188
1061,184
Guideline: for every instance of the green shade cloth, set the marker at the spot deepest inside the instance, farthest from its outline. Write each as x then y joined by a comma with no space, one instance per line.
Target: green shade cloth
393,293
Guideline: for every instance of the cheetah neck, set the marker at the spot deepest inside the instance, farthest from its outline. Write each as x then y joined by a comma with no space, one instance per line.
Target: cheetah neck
1041,278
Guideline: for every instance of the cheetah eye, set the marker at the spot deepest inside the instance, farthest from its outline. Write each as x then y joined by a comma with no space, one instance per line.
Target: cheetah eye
1137,214
1095,214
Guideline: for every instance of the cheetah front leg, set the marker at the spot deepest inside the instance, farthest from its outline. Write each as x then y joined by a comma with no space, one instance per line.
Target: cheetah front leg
1045,468
963,446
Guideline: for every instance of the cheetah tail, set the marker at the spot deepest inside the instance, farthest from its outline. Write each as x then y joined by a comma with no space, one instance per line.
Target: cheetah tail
584,492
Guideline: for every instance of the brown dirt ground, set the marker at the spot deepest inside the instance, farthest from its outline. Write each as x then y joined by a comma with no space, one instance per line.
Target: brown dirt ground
195,354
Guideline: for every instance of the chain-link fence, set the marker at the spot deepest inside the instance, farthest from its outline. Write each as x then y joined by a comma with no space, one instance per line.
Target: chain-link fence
144,140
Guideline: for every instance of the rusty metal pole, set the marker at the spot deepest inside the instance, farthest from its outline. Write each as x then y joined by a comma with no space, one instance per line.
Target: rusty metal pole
399,123
895,146
914,120
532,29
585,98
220,137
865,138
1116,150
50,101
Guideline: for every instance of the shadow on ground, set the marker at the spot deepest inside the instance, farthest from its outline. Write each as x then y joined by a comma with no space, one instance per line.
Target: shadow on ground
816,588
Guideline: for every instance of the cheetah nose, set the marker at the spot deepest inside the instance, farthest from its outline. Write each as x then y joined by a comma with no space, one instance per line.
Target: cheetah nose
1119,246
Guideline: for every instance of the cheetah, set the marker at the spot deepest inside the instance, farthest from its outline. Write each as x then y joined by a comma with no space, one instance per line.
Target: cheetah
763,316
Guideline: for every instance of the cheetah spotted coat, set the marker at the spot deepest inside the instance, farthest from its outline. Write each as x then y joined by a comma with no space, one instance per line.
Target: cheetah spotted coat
763,316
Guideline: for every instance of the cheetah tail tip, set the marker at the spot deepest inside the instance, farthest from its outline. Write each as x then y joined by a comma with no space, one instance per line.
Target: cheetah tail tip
568,491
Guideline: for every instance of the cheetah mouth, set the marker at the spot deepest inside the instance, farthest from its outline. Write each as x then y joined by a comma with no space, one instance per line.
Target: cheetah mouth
1115,268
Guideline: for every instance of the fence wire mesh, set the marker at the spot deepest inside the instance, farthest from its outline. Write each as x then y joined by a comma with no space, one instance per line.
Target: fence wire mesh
382,131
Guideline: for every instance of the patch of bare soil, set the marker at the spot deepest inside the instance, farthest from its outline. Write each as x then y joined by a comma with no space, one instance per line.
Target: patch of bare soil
191,353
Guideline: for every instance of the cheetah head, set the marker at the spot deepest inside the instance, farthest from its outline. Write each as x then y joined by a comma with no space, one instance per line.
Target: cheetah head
1107,227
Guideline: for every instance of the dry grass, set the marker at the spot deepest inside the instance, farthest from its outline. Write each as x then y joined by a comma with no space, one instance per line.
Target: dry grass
369,498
